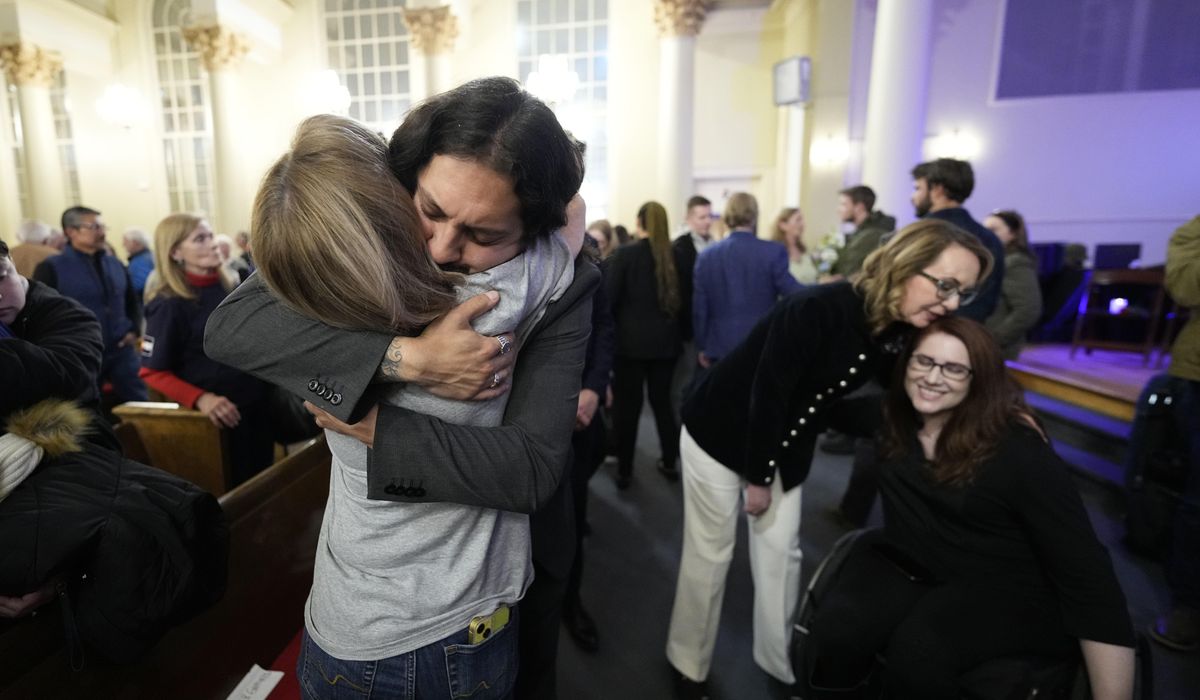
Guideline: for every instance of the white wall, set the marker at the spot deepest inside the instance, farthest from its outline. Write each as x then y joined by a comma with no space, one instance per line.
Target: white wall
1085,168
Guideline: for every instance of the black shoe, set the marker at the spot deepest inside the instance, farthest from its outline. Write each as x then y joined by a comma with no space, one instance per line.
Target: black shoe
671,473
838,444
581,627
623,481
688,689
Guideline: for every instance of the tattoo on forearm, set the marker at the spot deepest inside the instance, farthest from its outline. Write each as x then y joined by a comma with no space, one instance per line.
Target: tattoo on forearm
389,368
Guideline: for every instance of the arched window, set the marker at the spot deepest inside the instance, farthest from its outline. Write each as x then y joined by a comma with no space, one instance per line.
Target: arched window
366,44
187,125
576,30
18,149
60,106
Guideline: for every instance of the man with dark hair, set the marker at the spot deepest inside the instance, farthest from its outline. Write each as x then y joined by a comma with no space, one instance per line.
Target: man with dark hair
697,237
856,206
84,271
939,189
486,130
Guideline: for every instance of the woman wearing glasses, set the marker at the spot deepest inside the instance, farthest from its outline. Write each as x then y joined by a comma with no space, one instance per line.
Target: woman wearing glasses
751,424
986,552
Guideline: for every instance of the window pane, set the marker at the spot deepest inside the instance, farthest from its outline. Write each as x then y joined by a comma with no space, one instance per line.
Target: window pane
561,44
368,85
581,40
367,27
601,38
563,11
385,55
368,56
386,82
371,112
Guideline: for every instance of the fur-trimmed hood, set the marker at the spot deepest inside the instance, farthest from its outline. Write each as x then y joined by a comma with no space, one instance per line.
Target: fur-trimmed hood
48,428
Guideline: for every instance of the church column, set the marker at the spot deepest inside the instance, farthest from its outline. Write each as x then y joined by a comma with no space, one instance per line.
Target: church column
33,70
432,31
222,51
679,22
897,101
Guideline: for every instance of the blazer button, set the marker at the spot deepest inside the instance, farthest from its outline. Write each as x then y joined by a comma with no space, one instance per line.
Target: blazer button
768,479
842,383
794,432
853,370
820,396
313,384
336,399
771,463
320,389
327,394
801,421
862,357
785,443
812,409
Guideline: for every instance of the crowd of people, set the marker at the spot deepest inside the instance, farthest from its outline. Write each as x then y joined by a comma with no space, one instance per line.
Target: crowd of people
474,349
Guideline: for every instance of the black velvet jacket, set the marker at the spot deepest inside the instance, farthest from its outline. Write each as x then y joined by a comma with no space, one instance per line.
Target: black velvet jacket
762,406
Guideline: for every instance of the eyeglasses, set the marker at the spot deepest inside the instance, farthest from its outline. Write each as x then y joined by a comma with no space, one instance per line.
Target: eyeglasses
947,288
92,227
950,370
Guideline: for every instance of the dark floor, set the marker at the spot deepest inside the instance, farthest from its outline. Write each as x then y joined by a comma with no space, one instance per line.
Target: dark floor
633,556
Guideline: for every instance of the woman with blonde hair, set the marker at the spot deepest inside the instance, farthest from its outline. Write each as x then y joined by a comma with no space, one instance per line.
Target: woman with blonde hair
789,230
751,424
188,283
642,283
601,231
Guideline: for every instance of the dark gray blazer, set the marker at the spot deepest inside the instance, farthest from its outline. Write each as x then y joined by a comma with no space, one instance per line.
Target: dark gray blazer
417,458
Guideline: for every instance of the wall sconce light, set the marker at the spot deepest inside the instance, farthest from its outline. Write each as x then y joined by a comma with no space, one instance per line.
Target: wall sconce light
324,94
828,152
954,144
553,82
122,106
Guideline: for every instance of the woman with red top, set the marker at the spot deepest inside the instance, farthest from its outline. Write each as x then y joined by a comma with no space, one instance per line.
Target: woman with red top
189,283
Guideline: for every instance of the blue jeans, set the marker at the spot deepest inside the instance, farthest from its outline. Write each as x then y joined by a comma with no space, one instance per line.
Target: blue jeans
446,669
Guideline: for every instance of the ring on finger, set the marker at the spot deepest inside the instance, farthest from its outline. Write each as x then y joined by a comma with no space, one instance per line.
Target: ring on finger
495,380
505,343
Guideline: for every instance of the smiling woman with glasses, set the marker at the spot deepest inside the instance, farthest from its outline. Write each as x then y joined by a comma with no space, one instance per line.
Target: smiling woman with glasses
986,550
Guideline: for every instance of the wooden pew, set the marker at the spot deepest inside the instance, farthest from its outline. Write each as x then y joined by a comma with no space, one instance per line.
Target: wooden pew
181,441
274,521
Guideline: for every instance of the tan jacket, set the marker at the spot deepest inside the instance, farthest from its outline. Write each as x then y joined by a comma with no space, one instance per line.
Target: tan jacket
28,256
1183,284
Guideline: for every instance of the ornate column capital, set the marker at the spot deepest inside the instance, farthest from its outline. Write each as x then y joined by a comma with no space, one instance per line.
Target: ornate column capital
219,47
432,29
680,17
29,64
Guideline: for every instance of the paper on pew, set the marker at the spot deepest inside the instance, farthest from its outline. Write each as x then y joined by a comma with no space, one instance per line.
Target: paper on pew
257,684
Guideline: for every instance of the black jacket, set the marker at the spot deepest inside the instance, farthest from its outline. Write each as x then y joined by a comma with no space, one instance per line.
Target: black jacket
685,261
762,406
56,352
644,331
139,550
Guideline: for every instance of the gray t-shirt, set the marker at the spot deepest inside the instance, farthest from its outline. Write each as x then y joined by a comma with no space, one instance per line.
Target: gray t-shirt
393,577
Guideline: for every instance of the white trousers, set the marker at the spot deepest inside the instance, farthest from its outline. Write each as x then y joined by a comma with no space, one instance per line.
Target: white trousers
711,503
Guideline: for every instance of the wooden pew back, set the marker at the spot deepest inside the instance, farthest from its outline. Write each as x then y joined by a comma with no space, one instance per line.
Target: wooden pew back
181,441
274,520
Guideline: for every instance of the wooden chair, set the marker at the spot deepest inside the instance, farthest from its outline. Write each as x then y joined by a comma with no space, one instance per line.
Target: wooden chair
1096,299
181,441
274,521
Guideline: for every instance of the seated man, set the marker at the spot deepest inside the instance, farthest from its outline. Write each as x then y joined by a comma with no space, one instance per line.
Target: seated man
49,348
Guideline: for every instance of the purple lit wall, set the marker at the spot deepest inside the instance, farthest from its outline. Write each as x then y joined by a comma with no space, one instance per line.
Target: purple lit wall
1105,167
1071,48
